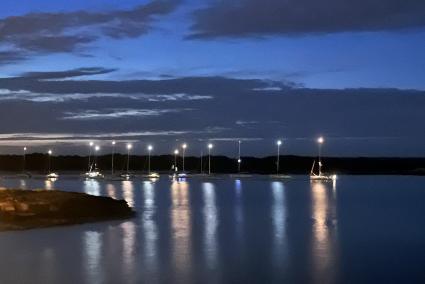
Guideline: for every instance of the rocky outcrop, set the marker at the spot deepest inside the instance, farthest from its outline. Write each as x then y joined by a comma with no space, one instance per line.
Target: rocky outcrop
26,209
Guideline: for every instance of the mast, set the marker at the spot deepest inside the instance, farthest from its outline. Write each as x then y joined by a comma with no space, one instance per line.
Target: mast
239,156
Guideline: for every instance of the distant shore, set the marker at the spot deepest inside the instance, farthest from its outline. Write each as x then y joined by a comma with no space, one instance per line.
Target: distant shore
37,163
29,209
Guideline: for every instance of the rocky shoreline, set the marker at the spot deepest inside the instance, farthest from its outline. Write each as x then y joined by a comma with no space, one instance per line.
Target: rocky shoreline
28,209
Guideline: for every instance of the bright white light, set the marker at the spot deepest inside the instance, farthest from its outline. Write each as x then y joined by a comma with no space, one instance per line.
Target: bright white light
184,146
176,152
320,140
91,144
25,148
97,148
150,148
129,146
279,142
210,146
113,142
239,161
49,152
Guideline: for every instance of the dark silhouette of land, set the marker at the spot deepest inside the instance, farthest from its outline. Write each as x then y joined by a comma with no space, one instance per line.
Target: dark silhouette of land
27,209
219,164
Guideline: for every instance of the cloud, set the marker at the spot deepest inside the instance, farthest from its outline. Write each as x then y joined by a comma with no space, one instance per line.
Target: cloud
182,88
246,123
221,107
39,33
178,97
67,73
246,18
11,56
116,113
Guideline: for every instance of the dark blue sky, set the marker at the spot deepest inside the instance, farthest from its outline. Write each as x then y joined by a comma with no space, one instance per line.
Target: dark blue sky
163,72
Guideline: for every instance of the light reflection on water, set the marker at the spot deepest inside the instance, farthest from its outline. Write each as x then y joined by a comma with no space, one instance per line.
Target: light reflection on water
181,230
92,249
150,228
324,258
128,191
129,244
231,231
92,187
279,218
111,190
210,223
238,210
48,184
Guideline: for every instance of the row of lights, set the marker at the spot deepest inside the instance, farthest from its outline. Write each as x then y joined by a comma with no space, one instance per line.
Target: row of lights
320,140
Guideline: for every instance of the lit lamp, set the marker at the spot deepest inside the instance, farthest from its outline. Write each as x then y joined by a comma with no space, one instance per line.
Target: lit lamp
24,159
278,143
96,149
320,141
176,152
112,158
48,157
150,148
210,146
184,146
129,147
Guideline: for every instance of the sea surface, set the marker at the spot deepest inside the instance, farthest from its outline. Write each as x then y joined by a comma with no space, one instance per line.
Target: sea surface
360,229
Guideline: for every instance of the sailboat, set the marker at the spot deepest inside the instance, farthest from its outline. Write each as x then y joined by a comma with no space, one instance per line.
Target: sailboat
239,174
93,173
320,176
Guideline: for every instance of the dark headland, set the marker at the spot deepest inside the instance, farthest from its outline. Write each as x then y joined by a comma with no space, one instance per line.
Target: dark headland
27,209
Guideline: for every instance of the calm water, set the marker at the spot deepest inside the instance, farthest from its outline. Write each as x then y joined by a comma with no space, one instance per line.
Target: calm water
359,230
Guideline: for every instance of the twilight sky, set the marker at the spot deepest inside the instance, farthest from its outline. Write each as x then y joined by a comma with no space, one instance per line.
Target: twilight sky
166,71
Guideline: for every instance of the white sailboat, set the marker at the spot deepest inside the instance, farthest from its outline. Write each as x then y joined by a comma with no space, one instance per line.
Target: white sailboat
320,176
93,172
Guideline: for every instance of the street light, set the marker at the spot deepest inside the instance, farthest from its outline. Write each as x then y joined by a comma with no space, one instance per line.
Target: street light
149,158
278,143
129,146
48,159
24,161
184,146
176,152
112,158
320,142
96,149
210,146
